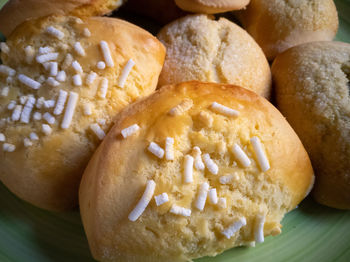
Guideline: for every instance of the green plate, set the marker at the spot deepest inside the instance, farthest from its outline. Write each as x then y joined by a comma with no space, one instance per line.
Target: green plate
310,233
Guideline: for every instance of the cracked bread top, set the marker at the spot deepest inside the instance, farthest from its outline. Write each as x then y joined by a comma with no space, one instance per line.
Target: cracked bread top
201,48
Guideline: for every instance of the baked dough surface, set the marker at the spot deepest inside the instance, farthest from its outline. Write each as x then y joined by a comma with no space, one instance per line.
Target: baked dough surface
313,91
116,176
201,48
211,6
47,174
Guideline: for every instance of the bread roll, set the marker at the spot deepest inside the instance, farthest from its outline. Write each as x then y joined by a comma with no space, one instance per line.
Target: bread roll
277,25
17,11
69,105
312,90
152,149
204,49
211,6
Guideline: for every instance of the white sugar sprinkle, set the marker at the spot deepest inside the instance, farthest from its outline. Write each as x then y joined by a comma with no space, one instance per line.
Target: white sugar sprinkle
46,57
77,80
224,180
156,150
235,227
27,142
125,73
130,130
221,109
101,65
2,137
86,32
106,53
41,79
5,91
188,169
198,163
161,199
40,102
25,116
79,49
54,32
45,50
61,76
103,87
37,116
4,48
70,109
29,81
91,78
101,121
240,155
53,68
177,210
61,100
222,202
33,136
30,53
52,82
7,70
210,164
181,108
16,114
169,148
98,131
6,147
9,80
46,129
11,105
144,201
77,67
87,109
202,196
49,103
259,228
213,197
23,99
260,154
49,118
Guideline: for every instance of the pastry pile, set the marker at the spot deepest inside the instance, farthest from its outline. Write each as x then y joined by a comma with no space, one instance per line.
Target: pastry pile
169,144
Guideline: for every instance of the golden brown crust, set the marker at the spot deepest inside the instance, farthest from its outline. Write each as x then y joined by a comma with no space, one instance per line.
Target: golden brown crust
201,48
277,25
17,11
211,6
312,88
49,172
116,175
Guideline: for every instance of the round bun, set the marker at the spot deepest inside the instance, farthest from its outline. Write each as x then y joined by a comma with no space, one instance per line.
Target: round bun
211,6
277,25
201,48
17,11
46,171
312,88
179,118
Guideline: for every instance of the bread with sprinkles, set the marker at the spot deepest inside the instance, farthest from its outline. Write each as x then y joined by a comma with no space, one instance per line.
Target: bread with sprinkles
56,105
17,11
235,169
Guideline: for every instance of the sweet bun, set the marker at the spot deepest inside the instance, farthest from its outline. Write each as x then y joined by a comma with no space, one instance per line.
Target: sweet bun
51,121
204,49
277,25
211,6
17,11
184,140
312,91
